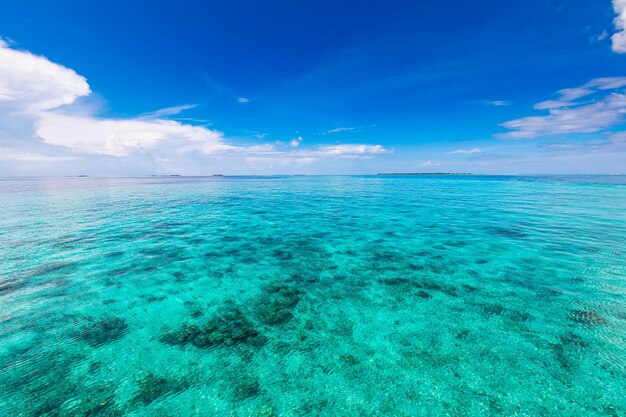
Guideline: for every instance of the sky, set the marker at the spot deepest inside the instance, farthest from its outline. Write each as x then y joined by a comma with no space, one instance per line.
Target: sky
119,88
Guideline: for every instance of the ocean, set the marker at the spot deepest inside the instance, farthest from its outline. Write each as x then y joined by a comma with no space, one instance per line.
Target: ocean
322,296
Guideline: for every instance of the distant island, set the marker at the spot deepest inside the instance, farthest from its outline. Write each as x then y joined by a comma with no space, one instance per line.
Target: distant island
426,173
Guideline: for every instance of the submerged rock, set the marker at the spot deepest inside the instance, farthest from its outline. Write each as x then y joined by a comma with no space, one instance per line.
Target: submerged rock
247,387
152,387
469,288
399,281
282,255
561,356
587,317
104,331
493,309
520,316
349,360
572,339
276,305
195,310
228,327
181,337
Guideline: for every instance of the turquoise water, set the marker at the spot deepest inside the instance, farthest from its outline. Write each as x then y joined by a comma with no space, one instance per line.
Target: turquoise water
364,296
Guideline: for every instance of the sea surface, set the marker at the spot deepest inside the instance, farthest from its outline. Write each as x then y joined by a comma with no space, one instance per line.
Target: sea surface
319,296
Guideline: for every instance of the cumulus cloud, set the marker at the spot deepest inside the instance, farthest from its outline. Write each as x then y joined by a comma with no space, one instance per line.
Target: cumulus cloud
466,151
43,119
127,136
619,37
296,141
594,107
36,90
35,84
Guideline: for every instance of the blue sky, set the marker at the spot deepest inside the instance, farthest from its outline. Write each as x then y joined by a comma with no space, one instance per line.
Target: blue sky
336,87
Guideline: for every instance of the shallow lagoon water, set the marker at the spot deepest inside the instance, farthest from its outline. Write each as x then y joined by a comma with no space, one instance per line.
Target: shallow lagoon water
365,296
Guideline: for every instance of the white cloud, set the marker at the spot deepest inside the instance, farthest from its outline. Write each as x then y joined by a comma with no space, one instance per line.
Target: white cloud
351,150
619,37
299,158
430,163
600,37
295,142
495,103
466,151
35,84
339,129
603,108
45,123
9,154
499,103
123,137
168,111
243,100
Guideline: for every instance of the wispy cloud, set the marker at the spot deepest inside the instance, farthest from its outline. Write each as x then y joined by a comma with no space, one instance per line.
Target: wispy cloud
619,37
339,129
599,37
495,103
430,163
603,107
243,100
612,142
343,129
465,151
168,111
9,154
350,150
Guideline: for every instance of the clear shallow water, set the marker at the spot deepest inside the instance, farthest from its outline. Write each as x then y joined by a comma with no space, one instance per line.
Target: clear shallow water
368,296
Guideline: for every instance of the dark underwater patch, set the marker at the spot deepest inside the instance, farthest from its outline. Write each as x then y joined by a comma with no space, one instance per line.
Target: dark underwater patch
587,317
469,288
152,387
573,339
282,255
276,305
510,232
492,309
227,327
246,387
103,331
520,316
10,286
52,267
